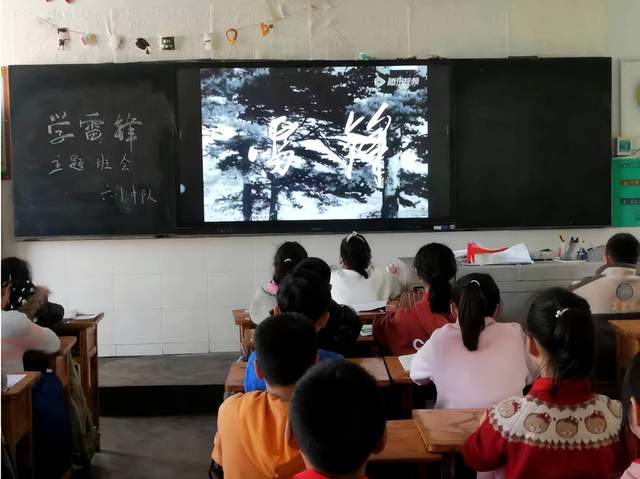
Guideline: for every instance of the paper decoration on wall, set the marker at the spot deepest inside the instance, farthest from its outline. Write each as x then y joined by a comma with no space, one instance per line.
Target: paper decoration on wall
114,41
265,28
207,41
363,56
63,38
142,44
232,36
167,43
88,39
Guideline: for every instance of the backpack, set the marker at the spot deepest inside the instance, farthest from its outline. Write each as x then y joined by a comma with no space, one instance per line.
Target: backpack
84,435
51,428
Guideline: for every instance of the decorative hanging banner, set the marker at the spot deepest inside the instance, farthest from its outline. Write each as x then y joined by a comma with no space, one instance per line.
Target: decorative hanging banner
63,38
167,43
265,28
142,44
232,36
88,39
207,41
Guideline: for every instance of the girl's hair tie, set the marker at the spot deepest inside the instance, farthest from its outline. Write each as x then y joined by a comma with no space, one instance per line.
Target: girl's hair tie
355,234
560,312
287,260
475,281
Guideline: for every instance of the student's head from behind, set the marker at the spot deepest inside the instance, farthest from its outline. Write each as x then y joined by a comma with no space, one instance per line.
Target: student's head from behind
560,335
622,248
474,297
436,266
16,270
287,256
337,417
314,265
285,348
16,277
307,293
355,254
631,398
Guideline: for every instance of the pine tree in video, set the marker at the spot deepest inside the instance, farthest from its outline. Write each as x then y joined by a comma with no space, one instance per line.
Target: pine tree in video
275,145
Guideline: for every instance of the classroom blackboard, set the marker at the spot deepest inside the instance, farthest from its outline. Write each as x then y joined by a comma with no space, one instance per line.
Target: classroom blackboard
532,142
93,149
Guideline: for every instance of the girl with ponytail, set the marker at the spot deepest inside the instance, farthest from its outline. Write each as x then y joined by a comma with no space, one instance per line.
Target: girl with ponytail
285,259
404,330
475,362
561,428
357,281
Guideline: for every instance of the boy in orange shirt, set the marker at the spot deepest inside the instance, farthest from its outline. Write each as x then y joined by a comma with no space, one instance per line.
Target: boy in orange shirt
251,441
337,419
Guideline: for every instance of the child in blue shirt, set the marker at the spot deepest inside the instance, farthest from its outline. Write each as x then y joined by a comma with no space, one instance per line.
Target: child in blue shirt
305,292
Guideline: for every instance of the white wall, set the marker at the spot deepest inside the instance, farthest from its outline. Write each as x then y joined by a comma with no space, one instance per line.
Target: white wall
175,295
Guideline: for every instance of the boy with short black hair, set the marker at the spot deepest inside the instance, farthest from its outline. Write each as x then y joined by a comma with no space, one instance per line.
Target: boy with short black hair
341,333
622,248
251,439
305,293
337,420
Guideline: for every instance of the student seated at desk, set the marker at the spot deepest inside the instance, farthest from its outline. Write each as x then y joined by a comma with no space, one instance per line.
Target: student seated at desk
287,256
616,286
337,419
357,281
28,298
341,333
475,362
631,413
306,293
405,330
560,429
20,335
251,440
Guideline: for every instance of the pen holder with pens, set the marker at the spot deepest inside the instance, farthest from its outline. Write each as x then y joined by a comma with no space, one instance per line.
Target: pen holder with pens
569,250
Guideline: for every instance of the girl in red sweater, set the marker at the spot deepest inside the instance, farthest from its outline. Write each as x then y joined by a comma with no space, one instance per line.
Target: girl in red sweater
405,330
631,409
560,429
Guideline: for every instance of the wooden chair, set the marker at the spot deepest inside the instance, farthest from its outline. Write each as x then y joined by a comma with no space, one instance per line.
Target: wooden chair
17,424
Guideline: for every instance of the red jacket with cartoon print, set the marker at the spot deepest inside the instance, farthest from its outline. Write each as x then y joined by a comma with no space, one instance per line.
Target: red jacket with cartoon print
573,434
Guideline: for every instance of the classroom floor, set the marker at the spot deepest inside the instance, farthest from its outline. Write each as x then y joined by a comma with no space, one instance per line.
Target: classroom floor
170,370
155,447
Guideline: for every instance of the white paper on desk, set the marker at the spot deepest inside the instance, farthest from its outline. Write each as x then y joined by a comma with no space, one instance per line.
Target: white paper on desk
13,379
406,361
366,330
516,254
371,306
77,315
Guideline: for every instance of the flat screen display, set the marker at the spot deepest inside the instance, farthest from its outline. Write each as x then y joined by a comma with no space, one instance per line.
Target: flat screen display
322,144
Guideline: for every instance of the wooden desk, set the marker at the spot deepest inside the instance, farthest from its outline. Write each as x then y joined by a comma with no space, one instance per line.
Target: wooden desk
242,319
374,366
404,444
57,362
17,423
86,355
235,378
401,379
445,431
627,345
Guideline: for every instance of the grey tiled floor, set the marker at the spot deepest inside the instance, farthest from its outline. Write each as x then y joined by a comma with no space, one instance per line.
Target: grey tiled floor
154,447
178,370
